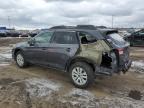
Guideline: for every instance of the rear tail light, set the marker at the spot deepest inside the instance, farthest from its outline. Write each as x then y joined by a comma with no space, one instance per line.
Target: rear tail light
121,51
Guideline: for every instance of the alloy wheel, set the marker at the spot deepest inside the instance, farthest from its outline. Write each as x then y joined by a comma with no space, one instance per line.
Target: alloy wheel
20,60
79,76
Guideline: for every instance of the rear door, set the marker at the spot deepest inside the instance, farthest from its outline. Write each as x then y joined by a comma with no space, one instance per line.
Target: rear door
64,45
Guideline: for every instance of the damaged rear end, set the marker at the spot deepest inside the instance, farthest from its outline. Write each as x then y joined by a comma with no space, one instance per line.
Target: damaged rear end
115,61
108,55
120,51
102,56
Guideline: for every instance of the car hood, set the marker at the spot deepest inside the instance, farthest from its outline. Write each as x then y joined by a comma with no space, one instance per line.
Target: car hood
22,44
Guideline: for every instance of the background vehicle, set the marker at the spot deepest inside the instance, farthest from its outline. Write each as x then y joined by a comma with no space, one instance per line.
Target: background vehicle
82,51
124,33
3,32
136,38
12,33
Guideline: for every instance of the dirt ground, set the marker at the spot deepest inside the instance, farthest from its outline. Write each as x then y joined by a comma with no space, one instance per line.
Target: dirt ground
39,87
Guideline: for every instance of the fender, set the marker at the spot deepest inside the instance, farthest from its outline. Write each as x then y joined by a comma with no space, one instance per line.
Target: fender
14,51
90,53
79,59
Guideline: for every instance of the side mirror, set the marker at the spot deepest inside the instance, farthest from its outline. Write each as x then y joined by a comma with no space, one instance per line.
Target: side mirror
31,41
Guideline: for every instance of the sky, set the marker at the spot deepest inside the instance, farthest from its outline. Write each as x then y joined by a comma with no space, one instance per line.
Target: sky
32,14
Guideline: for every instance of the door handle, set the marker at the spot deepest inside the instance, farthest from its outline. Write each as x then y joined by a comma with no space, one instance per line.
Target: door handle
68,49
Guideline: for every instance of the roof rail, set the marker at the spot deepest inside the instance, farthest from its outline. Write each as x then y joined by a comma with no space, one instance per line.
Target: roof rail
102,27
62,27
58,27
91,27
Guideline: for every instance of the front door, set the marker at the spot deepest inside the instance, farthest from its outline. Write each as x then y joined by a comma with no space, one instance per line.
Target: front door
37,52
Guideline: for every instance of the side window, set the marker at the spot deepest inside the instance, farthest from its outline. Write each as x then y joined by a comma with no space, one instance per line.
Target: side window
43,37
65,38
86,38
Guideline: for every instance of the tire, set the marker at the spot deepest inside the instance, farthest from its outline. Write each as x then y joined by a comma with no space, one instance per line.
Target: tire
81,74
20,60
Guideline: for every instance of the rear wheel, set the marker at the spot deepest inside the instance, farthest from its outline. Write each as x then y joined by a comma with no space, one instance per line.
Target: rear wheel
81,74
20,60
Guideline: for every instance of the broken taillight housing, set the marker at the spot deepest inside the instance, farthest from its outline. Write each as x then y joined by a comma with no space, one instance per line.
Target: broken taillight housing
120,51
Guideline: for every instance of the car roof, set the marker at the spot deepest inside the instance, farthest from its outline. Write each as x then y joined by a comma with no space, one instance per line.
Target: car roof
99,33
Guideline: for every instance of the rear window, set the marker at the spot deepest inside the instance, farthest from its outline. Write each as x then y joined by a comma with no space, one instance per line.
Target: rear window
117,39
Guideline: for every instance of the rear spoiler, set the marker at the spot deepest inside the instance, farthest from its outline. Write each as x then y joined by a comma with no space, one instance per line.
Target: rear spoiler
108,31
112,31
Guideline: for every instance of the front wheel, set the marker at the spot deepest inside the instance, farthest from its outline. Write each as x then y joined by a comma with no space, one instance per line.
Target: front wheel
81,74
20,60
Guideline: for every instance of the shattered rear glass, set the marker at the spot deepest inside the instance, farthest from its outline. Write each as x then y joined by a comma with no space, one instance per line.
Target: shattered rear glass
116,39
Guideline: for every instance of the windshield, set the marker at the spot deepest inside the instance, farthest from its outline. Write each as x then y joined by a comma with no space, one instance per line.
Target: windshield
117,39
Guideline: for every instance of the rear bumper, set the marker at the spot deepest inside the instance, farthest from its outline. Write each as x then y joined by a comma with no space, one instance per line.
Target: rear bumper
126,66
106,71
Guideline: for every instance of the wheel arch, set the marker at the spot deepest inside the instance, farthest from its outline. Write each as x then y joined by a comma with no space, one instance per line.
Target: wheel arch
15,52
80,59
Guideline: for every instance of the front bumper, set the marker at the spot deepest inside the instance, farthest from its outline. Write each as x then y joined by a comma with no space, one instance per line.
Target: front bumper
13,50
